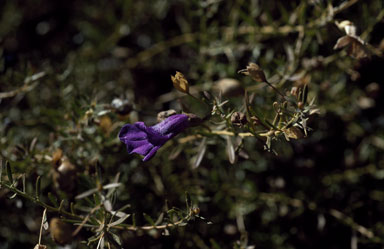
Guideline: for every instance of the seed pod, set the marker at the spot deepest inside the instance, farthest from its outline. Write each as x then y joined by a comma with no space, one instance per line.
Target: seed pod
256,73
180,82
61,232
195,210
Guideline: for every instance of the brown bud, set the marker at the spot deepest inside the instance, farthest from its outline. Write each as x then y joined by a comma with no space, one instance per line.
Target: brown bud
180,82
165,114
195,210
61,232
256,73
238,119
300,105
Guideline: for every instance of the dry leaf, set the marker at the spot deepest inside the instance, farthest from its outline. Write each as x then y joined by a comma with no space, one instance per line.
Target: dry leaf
355,46
294,133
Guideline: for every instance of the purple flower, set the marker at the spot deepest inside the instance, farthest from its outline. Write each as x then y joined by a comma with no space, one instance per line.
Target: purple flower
145,140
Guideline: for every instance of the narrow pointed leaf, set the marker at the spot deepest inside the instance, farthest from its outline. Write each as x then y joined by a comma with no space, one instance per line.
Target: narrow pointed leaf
230,150
200,154
38,186
149,219
119,221
112,185
188,201
9,172
160,219
86,193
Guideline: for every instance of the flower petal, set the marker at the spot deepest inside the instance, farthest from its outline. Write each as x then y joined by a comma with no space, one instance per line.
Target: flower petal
151,153
145,140
143,149
133,132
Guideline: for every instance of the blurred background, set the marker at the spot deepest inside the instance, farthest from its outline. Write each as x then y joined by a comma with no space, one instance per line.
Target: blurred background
61,59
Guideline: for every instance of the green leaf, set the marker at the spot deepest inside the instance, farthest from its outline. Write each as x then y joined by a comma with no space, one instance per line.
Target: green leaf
149,219
230,150
200,154
188,201
114,239
160,219
133,220
119,221
23,178
86,193
38,186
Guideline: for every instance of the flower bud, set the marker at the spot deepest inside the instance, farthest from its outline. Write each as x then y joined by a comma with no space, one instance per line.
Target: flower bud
238,119
195,210
180,82
300,105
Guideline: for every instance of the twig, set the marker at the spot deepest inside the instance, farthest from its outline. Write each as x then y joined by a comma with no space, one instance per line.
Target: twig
37,201
25,88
